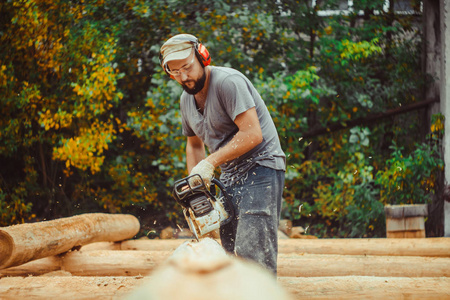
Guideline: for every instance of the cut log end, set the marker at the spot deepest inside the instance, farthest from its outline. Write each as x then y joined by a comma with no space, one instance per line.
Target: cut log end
6,248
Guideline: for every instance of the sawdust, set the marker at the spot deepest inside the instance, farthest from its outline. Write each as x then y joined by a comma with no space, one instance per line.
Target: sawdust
61,285
56,273
65,287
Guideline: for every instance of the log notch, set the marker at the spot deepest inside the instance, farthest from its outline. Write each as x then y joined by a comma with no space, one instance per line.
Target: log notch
25,242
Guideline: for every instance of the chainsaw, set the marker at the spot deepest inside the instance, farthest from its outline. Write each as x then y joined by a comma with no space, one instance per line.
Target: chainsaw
204,212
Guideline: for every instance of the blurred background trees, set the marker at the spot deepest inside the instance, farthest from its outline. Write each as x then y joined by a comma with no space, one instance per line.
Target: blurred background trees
90,122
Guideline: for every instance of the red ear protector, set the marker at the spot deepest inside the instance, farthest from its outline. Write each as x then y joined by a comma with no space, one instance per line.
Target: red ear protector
201,52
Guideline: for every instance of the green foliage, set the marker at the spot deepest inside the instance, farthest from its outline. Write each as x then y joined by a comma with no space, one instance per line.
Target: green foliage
13,209
410,179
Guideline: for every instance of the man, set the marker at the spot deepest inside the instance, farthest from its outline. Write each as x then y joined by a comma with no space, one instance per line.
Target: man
221,109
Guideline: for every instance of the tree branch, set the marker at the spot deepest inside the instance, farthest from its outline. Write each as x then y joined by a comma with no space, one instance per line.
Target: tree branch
369,119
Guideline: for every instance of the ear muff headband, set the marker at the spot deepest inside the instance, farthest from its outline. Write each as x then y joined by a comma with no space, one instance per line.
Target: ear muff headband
200,51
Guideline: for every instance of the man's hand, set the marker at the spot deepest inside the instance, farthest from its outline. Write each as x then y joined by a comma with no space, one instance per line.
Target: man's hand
205,169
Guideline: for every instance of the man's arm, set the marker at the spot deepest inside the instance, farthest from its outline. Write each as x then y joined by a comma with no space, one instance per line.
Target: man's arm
248,137
195,152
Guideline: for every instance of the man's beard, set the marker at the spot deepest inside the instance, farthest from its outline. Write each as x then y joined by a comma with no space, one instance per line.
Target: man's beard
198,86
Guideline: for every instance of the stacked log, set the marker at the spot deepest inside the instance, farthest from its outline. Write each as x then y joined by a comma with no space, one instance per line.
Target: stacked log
139,262
432,247
140,257
335,287
307,268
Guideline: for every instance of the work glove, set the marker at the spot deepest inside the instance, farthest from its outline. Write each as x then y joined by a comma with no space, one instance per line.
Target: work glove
205,169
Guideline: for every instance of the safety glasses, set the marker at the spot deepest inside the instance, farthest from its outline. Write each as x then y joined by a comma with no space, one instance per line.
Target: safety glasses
184,70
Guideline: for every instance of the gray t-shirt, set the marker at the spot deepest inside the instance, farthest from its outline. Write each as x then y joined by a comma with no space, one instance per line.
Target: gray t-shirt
230,93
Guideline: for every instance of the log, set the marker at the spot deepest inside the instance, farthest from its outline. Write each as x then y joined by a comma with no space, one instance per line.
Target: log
113,263
432,247
35,268
135,263
103,246
94,263
152,245
66,287
360,287
25,242
348,287
141,244
203,271
322,265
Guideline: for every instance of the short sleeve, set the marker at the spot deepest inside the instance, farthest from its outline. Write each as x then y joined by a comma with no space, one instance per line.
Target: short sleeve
236,96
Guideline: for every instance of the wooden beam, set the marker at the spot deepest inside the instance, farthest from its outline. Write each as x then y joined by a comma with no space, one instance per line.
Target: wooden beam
35,268
406,211
433,247
67,287
362,287
25,242
93,263
113,263
114,287
320,265
135,263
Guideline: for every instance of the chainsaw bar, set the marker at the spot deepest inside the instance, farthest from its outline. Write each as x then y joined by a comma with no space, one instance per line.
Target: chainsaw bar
191,225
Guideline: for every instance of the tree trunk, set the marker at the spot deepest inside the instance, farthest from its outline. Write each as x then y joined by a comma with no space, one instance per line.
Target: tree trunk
445,107
432,64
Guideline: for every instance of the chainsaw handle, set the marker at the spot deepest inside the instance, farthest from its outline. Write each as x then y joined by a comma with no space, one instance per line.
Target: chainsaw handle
230,207
183,188
221,187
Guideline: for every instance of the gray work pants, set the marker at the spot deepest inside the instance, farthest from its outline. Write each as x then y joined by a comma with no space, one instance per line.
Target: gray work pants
253,233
